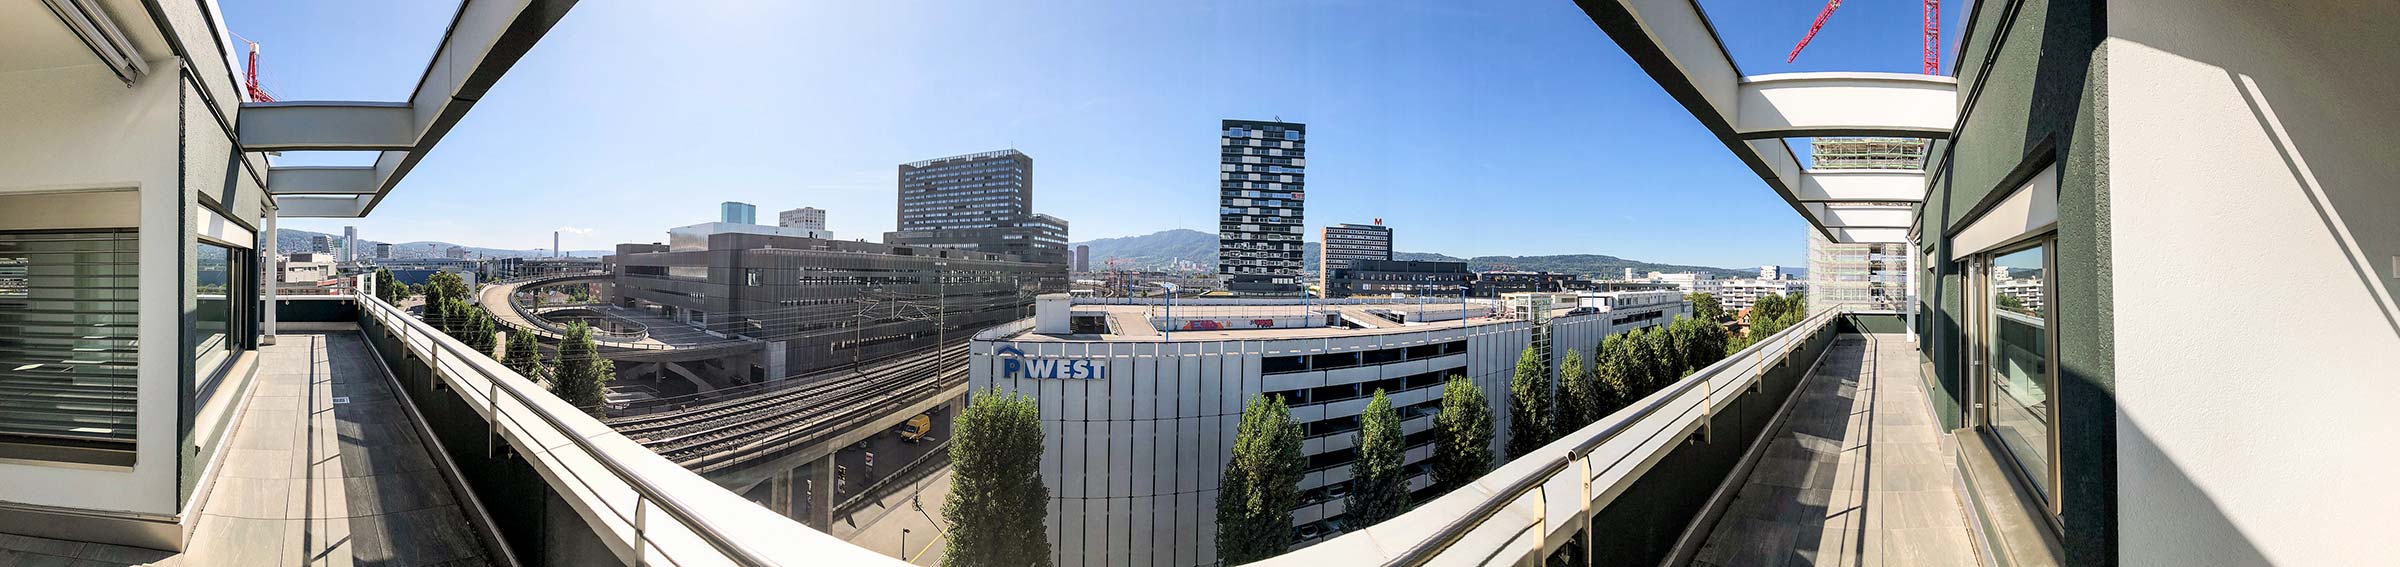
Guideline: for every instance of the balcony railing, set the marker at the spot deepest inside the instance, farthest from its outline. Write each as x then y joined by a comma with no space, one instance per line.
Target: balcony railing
1536,505
644,508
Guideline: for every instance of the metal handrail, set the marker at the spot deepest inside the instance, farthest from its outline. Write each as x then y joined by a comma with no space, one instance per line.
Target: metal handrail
645,490
1427,549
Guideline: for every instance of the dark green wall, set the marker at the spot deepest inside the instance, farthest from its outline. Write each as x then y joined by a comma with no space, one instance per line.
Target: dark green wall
2035,104
1875,323
327,309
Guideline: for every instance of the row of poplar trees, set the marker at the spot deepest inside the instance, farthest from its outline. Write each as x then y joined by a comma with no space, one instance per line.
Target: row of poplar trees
577,374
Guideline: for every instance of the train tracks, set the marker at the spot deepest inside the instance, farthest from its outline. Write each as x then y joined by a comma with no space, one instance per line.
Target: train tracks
723,433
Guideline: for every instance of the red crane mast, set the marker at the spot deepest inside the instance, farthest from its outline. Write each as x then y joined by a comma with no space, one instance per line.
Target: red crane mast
1933,34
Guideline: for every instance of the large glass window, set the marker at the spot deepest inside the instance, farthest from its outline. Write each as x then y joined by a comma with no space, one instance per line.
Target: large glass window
67,346
2017,342
220,276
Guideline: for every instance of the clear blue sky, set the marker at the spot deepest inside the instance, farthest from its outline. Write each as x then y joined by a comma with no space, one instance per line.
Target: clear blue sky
1472,128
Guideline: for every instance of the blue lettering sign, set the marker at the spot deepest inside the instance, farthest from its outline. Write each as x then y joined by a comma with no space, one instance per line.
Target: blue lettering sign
1014,364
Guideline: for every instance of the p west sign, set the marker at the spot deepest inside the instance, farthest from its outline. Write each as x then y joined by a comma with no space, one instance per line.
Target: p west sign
1014,364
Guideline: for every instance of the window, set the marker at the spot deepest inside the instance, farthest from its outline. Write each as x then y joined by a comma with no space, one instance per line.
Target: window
2020,376
68,329
218,280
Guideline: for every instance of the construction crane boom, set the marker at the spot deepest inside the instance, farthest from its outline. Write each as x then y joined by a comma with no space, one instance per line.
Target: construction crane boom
1933,34
1812,30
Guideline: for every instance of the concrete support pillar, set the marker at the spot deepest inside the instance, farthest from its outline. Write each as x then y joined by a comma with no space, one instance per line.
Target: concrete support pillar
818,491
269,273
780,492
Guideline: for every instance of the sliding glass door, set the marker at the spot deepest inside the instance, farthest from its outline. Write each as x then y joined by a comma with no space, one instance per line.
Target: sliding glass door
2019,373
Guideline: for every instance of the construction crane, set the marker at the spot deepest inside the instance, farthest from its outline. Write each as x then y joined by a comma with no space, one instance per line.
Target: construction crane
250,74
1933,34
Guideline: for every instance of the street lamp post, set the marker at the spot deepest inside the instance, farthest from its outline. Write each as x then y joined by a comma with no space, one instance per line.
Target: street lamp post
1171,289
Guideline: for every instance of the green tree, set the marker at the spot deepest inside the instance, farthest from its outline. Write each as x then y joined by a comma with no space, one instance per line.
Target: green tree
1666,365
483,332
1705,306
524,354
1698,343
1708,344
1614,373
1578,395
1529,405
1463,444
997,507
582,376
1644,361
1378,481
443,287
1261,485
388,288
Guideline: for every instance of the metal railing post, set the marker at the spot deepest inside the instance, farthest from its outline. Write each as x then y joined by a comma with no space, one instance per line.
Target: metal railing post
641,516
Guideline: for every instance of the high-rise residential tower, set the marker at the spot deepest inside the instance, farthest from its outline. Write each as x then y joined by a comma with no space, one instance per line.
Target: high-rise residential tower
1262,182
1346,242
1861,276
737,212
981,201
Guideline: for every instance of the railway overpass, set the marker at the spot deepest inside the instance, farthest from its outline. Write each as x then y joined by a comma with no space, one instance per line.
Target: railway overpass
770,437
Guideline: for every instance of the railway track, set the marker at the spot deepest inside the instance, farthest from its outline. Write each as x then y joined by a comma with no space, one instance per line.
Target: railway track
713,434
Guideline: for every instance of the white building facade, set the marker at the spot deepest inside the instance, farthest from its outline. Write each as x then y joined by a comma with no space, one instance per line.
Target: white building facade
1137,427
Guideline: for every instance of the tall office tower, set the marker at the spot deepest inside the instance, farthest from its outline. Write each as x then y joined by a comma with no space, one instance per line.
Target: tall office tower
1083,258
1862,276
803,218
737,212
982,202
1345,242
349,244
1261,187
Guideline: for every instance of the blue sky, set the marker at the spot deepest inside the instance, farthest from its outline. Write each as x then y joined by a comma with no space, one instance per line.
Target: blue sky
1472,128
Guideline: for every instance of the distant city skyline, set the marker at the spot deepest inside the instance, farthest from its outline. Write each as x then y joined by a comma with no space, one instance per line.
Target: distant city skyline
1512,129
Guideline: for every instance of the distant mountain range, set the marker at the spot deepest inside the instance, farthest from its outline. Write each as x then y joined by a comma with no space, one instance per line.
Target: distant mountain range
1159,250
294,240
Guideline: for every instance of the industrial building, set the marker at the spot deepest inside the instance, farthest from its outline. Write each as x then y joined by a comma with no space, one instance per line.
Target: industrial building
1412,278
1262,191
1139,407
822,304
1349,242
981,202
1495,283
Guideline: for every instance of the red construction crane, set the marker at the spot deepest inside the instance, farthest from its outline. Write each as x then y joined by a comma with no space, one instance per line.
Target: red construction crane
250,74
1933,34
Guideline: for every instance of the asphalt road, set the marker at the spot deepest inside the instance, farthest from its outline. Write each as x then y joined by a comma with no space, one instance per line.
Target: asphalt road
892,454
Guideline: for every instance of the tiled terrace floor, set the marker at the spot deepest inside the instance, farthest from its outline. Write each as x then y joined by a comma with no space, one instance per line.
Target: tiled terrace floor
1859,474
325,469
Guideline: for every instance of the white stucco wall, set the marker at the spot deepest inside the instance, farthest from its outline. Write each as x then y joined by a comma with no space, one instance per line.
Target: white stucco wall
81,128
2250,174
